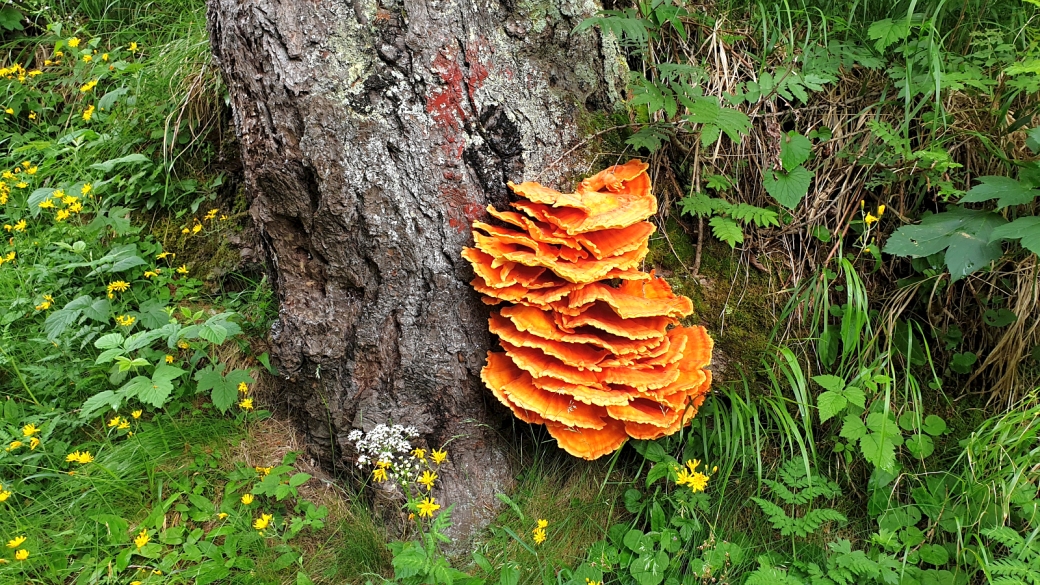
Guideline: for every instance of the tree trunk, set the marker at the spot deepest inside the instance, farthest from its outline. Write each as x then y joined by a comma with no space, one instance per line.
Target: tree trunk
372,135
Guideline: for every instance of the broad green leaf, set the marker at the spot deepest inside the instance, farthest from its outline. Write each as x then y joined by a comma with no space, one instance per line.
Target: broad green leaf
108,355
788,188
99,401
155,392
112,340
168,373
11,18
649,568
299,479
135,386
1007,191
1025,229
794,150
934,425
830,403
878,450
828,382
853,428
855,396
963,233
920,446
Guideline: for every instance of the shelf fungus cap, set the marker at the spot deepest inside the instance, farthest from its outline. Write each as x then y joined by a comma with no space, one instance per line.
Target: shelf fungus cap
592,346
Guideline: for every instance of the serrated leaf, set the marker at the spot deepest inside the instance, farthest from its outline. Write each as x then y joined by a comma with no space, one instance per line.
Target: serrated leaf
1025,229
750,214
108,355
726,230
99,401
853,428
1007,191
829,404
788,188
855,396
697,204
794,150
964,234
878,450
110,341
828,382
888,32
649,137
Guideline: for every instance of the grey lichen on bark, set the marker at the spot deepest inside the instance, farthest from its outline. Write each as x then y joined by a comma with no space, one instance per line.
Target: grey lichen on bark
372,135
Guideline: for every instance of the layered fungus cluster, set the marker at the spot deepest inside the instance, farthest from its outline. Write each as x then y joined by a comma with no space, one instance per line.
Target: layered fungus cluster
592,346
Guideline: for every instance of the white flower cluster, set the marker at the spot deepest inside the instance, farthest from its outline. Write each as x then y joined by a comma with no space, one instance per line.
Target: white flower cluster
389,444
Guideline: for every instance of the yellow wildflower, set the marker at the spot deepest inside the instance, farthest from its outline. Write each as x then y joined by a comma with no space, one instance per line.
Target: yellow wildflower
118,286
136,414
22,185
87,58
124,425
4,495
62,215
185,231
43,306
88,86
9,110
246,404
30,429
539,535
32,115
125,320
73,42
197,228
869,219
85,188
32,170
104,56
21,554
438,456
133,47
183,344
247,499
164,255
212,213
14,445
427,507
114,422
698,482
69,200
427,479
263,471
183,269
142,538
15,542
46,204
262,522
88,113
34,443
243,388
419,454
20,226
76,207
379,474
880,211
221,516
169,359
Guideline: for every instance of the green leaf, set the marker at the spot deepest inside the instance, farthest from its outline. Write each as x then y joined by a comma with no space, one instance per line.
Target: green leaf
888,32
299,479
934,425
99,401
726,230
649,137
697,204
934,554
1026,229
649,568
963,233
108,165
223,389
155,392
879,451
110,341
920,446
853,428
829,404
509,575
999,317
794,150
11,19
707,111
828,382
788,188
1005,190
756,215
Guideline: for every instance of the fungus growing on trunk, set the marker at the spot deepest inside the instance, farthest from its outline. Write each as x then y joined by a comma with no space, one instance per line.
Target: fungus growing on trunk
592,346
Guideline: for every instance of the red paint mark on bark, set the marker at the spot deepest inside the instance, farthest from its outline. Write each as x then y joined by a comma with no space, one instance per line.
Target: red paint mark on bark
461,75
462,211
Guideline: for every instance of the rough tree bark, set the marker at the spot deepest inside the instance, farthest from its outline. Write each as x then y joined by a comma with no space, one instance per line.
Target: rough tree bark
372,133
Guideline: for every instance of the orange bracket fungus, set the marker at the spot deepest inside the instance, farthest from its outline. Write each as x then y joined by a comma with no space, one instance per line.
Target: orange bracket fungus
592,345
